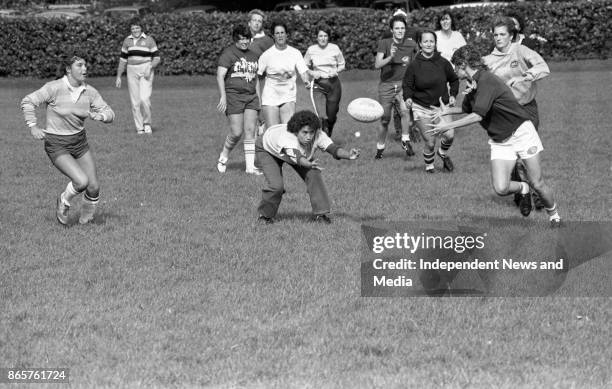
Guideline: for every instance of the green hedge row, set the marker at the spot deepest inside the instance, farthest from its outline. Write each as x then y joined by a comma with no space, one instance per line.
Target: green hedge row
192,44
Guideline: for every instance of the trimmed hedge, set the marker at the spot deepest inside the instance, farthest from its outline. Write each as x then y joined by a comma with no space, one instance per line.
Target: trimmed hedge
192,44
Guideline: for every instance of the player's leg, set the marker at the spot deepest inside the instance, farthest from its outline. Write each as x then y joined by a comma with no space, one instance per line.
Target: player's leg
236,121
429,140
68,166
133,81
319,99
319,200
271,115
272,193
503,159
446,141
146,89
250,127
405,114
386,97
92,192
534,171
333,103
286,111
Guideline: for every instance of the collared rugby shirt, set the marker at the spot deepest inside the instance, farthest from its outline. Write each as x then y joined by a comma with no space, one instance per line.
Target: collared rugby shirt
139,50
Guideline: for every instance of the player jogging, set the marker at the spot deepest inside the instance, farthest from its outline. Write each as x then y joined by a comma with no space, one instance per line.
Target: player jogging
69,101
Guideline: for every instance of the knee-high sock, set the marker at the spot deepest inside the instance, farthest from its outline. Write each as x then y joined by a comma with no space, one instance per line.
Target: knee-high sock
228,145
249,154
69,193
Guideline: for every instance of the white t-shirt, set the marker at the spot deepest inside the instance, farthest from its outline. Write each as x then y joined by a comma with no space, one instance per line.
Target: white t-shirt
328,61
448,45
285,145
280,68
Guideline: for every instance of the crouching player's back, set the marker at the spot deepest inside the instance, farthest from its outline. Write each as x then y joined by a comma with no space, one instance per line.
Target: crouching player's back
295,143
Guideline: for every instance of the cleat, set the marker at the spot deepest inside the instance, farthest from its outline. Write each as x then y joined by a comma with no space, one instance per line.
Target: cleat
448,164
555,223
322,219
62,210
254,171
525,204
147,129
430,171
221,165
87,213
140,131
407,148
265,220
379,153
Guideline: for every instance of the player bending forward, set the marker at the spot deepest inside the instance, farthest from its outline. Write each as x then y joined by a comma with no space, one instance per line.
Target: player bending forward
295,143
512,135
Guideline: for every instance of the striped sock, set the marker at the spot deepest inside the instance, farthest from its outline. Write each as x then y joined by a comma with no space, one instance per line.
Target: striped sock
249,154
69,193
88,208
228,146
429,160
445,144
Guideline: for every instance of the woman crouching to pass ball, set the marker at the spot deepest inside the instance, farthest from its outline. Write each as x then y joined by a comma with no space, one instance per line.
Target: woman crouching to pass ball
424,87
512,134
295,143
237,82
69,102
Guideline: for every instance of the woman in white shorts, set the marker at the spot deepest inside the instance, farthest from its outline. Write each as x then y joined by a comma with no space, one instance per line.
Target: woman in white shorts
277,70
512,134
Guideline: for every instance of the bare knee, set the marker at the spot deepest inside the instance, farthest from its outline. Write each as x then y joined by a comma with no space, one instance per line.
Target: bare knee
502,188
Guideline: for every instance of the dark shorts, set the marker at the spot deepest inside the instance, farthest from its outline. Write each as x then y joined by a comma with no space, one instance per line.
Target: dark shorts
75,145
237,103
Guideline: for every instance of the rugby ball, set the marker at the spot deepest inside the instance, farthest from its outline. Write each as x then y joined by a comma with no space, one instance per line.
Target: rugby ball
365,109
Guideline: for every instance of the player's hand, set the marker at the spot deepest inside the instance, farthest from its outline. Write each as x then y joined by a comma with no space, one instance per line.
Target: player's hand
409,102
354,154
393,49
147,73
437,129
315,164
96,116
451,101
37,133
222,106
118,82
469,87
515,80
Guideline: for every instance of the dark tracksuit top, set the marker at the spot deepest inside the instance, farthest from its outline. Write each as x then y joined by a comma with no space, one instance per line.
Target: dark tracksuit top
426,78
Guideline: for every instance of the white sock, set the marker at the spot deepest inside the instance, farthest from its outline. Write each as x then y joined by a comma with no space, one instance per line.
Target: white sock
380,146
405,137
69,193
249,154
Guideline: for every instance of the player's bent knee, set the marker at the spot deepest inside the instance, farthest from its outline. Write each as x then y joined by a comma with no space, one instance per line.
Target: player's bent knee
502,189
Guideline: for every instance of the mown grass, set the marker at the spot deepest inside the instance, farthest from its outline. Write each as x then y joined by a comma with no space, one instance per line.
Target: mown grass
176,285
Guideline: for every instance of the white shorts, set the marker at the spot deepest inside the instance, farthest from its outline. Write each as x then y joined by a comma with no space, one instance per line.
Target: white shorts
420,112
524,144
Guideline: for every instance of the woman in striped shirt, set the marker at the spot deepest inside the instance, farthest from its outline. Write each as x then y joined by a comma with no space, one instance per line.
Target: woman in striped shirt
69,101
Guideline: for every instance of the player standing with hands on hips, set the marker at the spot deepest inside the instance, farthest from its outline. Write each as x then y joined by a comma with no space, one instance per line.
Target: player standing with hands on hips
140,55
392,58
69,101
512,134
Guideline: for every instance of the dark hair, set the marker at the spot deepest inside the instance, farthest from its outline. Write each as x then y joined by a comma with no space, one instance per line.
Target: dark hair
468,55
508,23
519,18
239,31
301,119
325,28
66,61
397,18
278,23
420,33
441,16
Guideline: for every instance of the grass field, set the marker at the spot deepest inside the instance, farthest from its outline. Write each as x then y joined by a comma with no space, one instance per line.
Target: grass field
175,284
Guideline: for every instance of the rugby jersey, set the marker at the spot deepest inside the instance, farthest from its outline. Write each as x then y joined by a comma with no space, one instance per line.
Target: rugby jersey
67,106
285,145
329,60
138,50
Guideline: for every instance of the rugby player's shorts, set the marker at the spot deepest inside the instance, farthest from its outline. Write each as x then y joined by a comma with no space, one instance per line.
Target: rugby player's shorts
390,92
75,145
524,144
237,103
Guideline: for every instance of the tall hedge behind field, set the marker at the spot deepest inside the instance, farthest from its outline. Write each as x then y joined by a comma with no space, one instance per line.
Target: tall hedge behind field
192,44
